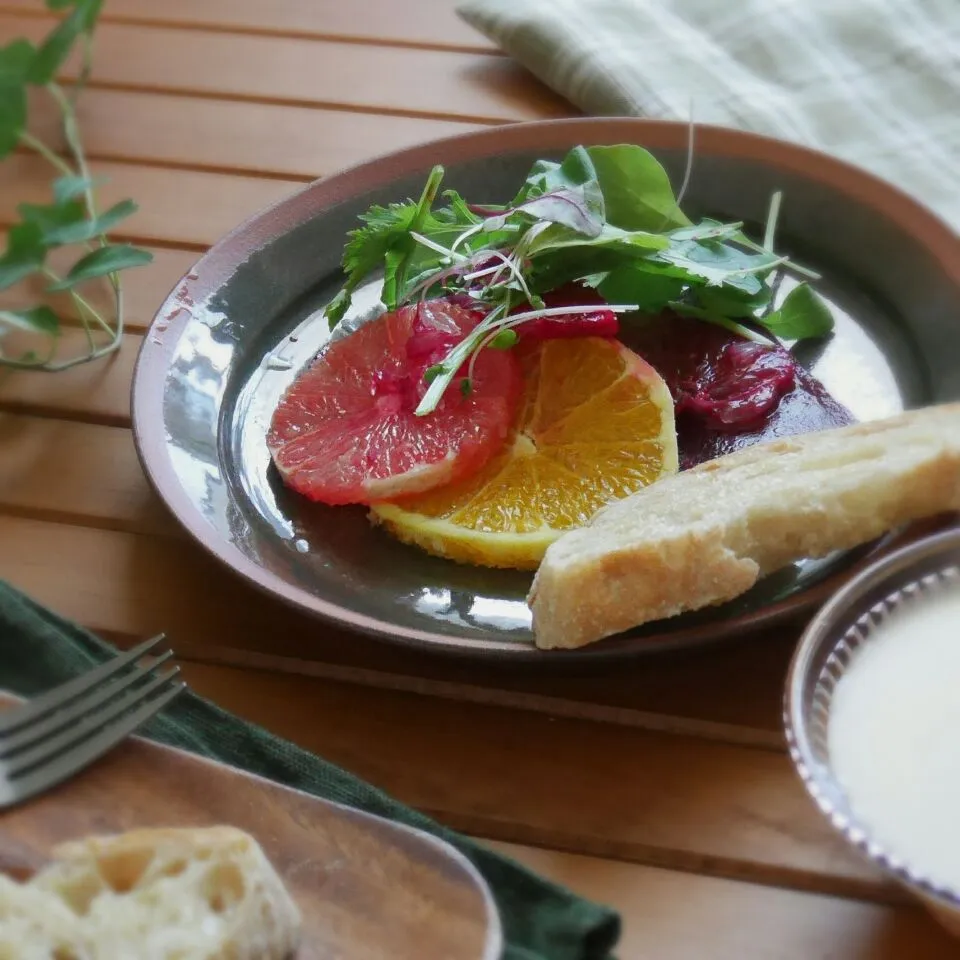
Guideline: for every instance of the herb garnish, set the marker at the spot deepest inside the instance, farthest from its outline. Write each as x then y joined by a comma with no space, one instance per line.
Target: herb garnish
605,218
72,218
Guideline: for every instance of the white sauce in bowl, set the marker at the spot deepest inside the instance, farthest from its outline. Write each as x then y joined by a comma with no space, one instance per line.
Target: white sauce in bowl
894,734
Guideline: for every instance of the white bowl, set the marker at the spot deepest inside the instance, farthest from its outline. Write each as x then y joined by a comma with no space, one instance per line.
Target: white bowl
825,652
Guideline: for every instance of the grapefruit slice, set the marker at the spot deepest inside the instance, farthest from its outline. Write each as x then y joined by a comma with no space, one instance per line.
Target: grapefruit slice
595,424
345,431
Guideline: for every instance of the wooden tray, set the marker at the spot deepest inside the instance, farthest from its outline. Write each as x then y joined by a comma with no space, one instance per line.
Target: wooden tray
368,889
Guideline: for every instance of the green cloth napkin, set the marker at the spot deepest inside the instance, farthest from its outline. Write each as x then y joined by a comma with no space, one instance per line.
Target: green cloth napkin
876,82
541,920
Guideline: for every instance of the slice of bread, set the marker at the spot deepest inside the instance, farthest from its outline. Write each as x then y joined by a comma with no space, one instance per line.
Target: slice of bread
163,894
706,535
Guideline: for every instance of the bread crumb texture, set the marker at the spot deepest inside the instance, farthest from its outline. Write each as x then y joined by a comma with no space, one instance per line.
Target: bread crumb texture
159,894
706,535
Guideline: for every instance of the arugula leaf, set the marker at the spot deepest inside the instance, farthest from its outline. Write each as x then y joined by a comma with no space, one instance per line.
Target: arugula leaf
650,291
579,208
802,314
732,302
102,261
636,189
720,263
35,320
25,254
548,176
636,243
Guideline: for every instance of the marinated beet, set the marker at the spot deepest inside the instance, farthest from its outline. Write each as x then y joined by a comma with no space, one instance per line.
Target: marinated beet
602,323
739,388
731,393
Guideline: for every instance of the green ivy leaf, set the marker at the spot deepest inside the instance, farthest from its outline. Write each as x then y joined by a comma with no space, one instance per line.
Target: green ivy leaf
107,220
101,262
802,315
13,117
35,320
24,255
54,219
56,47
15,60
66,222
68,188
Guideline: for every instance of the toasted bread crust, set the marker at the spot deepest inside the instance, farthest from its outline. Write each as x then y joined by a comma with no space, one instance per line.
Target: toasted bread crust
708,534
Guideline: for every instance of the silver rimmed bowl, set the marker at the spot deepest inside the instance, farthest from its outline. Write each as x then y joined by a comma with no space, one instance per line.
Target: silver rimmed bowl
827,649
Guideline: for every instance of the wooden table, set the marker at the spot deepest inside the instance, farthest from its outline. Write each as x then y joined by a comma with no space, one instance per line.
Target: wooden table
662,787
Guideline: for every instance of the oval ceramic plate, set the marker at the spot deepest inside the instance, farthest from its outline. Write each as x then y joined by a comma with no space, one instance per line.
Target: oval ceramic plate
241,324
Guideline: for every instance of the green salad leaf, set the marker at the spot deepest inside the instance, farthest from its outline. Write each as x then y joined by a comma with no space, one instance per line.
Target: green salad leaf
603,217
636,189
802,315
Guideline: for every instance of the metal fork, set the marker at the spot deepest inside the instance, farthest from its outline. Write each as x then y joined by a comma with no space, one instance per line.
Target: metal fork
58,733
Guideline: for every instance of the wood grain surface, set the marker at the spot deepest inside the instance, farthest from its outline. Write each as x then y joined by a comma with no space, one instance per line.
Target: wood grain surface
661,787
366,888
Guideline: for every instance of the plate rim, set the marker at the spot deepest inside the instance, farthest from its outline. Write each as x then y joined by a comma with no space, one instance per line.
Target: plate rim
215,266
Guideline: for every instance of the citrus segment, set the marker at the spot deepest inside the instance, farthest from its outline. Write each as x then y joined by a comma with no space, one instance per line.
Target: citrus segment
594,424
345,431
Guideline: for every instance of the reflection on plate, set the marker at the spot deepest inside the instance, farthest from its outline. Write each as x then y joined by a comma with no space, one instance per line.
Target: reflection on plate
237,330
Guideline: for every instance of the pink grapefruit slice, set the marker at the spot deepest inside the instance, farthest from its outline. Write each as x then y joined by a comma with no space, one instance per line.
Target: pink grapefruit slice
345,431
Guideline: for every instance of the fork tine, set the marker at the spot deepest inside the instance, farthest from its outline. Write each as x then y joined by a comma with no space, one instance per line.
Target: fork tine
11,720
76,707
85,727
67,764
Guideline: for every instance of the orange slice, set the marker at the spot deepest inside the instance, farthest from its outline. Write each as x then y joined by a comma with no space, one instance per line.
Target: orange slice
595,424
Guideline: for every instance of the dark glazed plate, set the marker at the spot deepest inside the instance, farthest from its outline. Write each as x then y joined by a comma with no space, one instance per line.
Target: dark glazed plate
238,327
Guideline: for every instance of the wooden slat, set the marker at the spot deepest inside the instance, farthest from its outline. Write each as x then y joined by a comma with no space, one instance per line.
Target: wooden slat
731,693
674,916
303,142
427,23
179,207
585,788
103,487
96,392
434,83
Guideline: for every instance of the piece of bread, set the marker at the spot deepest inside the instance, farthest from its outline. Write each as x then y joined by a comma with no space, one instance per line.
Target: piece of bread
162,894
706,535
35,925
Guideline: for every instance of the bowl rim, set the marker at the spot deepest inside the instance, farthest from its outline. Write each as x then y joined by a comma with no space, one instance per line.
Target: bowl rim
818,779
213,268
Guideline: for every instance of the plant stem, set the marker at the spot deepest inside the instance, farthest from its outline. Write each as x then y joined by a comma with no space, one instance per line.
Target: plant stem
73,142
38,146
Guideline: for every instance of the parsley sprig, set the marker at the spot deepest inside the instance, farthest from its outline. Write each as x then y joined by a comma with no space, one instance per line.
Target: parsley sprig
605,218
72,218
